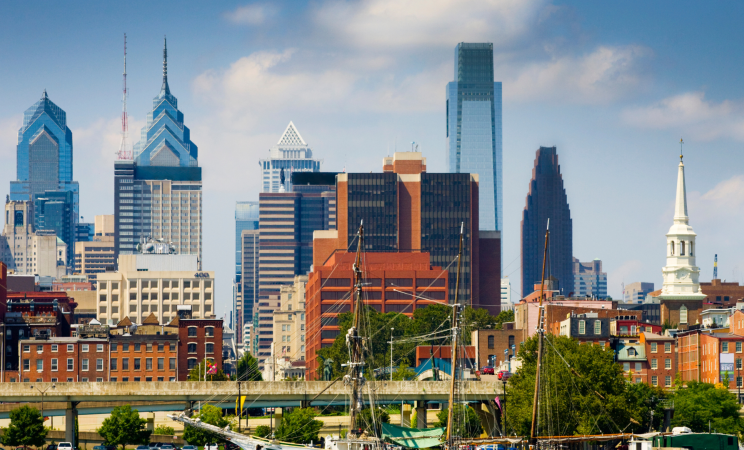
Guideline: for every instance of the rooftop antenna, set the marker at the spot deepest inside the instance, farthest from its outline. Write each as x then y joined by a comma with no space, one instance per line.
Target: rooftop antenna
715,267
124,152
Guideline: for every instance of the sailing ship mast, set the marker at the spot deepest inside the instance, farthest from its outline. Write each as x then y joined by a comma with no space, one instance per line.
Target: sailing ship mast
451,409
356,365
540,335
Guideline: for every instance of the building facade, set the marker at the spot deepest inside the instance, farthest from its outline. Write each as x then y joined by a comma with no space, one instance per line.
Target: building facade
24,251
547,200
158,194
289,321
589,280
681,297
246,220
44,156
400,284
198,339
53,213
291,154
97,255
474,129
157,284
407,210
637,292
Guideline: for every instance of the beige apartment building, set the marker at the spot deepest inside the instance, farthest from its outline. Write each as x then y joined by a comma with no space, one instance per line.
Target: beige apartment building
289,320
157,284
93,257
26,252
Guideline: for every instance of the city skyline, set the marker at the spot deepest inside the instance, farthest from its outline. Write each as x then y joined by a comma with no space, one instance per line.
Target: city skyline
614,98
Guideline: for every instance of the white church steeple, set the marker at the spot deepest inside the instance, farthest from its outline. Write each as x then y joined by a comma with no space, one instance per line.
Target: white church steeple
681,275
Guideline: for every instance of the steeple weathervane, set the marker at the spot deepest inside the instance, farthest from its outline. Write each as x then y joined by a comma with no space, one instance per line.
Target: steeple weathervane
681,142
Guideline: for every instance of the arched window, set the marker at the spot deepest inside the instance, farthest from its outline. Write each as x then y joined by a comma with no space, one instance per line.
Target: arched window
672,248
690,248
682,248
683,314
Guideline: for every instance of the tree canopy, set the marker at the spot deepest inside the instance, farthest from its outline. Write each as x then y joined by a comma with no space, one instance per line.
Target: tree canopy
700,403
299,426
465,421
247,368
124,427
208,414
26,428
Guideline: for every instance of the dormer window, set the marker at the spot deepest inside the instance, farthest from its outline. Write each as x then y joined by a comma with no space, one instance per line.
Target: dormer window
631,352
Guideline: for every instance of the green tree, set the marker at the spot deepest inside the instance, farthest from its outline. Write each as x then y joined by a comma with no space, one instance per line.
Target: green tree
403,372
262,431
208,414
699,403
586,398
365,420
299,426
197,374
642,399
465,422
124,427
247,368
164,430
26,428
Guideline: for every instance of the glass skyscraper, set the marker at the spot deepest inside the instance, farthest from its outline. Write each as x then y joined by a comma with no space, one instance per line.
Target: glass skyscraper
158,194
291,154
474,141
246,219
53,212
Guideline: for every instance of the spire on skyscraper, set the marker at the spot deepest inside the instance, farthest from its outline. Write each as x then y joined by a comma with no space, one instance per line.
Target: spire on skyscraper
165,89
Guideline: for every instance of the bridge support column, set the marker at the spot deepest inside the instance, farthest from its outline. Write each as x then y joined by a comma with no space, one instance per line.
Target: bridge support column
488,417
421,413
151,421
405,415
70,420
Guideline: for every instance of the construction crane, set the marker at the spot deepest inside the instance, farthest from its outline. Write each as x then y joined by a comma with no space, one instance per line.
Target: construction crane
715,267
124,152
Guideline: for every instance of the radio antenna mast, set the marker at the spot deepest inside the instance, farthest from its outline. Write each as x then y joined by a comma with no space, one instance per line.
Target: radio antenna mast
124,152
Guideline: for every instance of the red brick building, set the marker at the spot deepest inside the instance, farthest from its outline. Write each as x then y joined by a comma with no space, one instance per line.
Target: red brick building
198,339
144,358
491,344
661,355
63,359
394,282
720,294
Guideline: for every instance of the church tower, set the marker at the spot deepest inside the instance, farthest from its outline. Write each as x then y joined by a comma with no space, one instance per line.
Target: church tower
681,297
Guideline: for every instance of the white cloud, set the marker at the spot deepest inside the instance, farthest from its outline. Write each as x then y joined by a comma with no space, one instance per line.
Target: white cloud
692,113
251,14
605,74
628,272
396,24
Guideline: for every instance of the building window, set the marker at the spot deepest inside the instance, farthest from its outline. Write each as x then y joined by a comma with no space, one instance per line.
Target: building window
114,364
490,342
671,247
161,347
582,327
172,346
192,363
626,367
738,363
654,364
99,364
738,382
137,364
653,347
148,363
691,248
125,379
209,331
724,347
137,347
682,248
667,347
99,348
668,381
26,349
161,363
631,351
654,380
638,367
54,364
668,363
172,363
191,347
683,314
210,347
597,327
85,348
84,380
85,365
70,364
192,331
113,346
54,348
149,347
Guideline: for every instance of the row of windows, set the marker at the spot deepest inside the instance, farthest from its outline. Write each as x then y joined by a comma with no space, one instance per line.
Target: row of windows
84,364
55,347
667,347
208,347
137,364
154,284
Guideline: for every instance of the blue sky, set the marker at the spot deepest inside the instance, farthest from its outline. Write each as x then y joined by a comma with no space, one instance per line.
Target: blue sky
613,85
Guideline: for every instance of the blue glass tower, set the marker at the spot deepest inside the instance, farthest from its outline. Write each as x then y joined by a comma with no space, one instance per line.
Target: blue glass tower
44,155
53,213
246,270
474,138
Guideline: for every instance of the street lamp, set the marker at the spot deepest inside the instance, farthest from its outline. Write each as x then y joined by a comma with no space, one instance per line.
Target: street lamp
507,359
53,386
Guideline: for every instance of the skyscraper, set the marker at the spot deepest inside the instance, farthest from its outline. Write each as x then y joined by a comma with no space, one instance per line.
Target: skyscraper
246,220
547,200
291,154
44,163
474,127
589,280
53,212
158,194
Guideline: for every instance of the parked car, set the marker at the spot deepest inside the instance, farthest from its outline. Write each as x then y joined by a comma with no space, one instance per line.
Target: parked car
143,447
487,370
104,447
51,447
64,446
167,447
504,375
189,447
211,447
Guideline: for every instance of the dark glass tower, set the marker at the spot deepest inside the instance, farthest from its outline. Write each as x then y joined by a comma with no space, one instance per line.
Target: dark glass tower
474,127
53,211
547,200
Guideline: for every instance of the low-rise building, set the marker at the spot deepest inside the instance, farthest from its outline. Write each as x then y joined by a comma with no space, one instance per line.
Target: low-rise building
144,357
198,339
632,357
492,347
587,327
97,255
661,354
63,359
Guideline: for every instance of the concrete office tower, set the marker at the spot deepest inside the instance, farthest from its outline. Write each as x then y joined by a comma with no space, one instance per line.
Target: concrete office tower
44,155
246,233
589,280
681,297
636,292
547,200
405,209
291,154
97,255
158,194
287,222
27,252
474,141
156,284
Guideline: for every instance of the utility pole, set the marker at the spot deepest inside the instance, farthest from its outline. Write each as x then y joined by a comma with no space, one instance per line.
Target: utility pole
391,357
540,334
450,412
